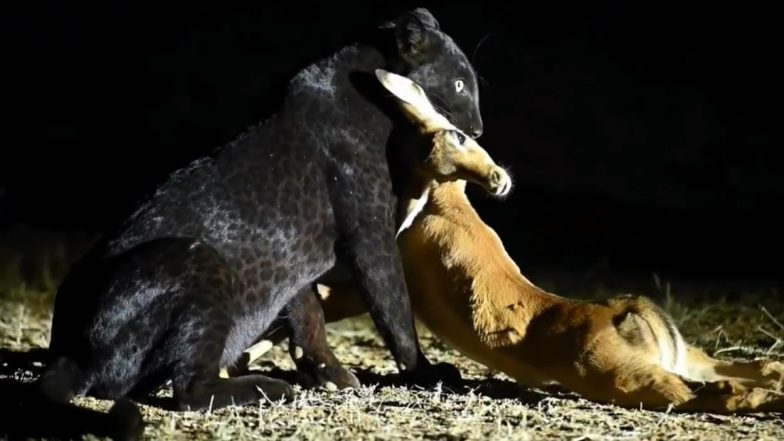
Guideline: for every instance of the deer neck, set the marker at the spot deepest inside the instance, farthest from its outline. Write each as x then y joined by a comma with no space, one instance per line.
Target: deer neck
413,201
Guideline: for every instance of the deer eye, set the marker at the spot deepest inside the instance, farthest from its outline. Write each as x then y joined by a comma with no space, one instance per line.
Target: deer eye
460,138
459,86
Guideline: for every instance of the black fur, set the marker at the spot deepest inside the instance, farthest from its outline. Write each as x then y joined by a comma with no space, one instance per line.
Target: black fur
204,265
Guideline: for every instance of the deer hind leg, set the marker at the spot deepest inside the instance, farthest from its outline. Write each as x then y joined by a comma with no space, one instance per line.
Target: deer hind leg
757,373
623,365
627,379
732,397
634,382
732,386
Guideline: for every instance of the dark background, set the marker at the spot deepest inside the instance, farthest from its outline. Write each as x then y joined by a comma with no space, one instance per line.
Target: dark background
639,133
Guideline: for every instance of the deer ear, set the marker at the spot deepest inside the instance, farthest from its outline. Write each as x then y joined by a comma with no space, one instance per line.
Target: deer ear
414,99
405,90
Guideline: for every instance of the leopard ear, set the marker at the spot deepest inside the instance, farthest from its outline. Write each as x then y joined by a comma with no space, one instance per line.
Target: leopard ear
424,15
414,34
414,100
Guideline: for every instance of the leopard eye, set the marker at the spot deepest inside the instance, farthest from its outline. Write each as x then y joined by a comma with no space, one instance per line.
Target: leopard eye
459,86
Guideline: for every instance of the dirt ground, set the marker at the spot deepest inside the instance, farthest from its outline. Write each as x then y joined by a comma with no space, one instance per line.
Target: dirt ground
486,406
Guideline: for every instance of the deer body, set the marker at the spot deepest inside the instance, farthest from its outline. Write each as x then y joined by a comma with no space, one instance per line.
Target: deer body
626,350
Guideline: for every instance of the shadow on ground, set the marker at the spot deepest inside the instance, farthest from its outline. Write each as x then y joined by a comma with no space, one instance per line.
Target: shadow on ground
490,387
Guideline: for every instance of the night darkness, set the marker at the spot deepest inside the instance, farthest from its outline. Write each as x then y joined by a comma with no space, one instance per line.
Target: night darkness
639,135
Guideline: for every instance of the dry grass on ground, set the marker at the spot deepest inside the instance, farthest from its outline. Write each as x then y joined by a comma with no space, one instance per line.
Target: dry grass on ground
488,406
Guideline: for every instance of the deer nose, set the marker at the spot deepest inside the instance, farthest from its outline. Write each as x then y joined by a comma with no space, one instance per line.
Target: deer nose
476,132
